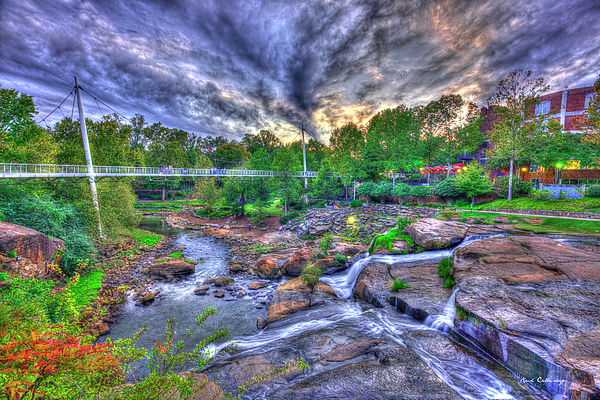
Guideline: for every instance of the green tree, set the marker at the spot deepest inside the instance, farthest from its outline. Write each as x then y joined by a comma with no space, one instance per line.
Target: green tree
260,160
264,141
21,140
398,132
513,101
235,191
589,122
460,127
208,193
326,185
473,181
230,155
286,185
430,119
346,144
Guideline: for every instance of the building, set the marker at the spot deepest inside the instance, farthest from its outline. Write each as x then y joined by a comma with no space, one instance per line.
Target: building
564,106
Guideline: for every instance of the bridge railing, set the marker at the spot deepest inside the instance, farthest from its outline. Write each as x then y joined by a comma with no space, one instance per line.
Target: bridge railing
7,170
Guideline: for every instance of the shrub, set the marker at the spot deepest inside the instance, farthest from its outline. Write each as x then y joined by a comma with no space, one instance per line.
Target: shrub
520,188
446,188
444,268
403,222
447,215
420,191
382,190
366,189
462,204
541,194
356,203
56,218
593,191
284,219
325,244
401,190
310,274
12,254
259,213
409,204
340,259
399,284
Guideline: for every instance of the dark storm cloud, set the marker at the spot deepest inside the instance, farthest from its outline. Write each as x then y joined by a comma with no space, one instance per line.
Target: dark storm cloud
228,67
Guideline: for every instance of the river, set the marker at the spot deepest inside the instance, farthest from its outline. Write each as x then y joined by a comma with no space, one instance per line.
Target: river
474,376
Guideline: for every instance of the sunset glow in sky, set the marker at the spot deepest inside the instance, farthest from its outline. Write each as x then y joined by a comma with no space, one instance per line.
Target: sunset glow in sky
231,67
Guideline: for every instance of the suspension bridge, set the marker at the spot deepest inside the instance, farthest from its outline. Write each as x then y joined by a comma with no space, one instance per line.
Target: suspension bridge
51,173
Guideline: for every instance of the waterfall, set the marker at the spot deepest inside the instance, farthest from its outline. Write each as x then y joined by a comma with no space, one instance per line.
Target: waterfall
445,320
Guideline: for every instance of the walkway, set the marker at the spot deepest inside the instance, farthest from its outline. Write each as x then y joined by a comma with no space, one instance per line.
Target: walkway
33,171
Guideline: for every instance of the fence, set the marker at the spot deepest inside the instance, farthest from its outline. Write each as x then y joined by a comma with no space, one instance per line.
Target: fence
567,191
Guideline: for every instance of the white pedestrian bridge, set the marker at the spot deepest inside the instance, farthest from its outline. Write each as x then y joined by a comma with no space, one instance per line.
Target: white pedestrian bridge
53,173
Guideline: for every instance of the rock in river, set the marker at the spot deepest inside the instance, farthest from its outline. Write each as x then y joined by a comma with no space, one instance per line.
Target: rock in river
298,261
374,283
539,300
266,268
295,295
224,281
434,234
171,266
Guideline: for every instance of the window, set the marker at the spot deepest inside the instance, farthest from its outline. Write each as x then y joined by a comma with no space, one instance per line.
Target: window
533,168
542,108
588,99
535,180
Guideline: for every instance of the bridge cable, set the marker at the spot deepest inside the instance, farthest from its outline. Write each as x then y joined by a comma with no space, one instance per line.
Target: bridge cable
61,103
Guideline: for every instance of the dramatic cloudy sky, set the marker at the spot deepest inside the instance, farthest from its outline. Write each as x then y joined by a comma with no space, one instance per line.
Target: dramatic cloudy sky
229,67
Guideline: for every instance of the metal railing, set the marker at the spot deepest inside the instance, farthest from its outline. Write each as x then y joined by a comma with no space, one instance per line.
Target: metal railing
57,171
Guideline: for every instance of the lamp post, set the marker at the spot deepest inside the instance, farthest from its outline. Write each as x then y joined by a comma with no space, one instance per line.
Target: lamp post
558,167
523,174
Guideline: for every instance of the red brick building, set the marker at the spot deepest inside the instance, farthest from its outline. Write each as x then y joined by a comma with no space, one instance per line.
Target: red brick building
563,106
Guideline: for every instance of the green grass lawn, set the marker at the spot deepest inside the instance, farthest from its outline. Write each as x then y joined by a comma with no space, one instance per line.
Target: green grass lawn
548,224
86,289
145,238
526,203
269,210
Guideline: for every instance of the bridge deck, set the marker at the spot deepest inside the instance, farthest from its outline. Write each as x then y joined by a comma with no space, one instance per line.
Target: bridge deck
81,171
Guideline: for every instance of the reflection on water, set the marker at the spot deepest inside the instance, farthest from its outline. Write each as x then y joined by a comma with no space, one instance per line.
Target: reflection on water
177,300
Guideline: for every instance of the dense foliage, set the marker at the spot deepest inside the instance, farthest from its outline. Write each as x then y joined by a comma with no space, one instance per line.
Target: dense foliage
594,191
446,188
55,218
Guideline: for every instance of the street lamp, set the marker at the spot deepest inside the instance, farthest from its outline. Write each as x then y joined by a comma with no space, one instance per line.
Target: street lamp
523,174
558,167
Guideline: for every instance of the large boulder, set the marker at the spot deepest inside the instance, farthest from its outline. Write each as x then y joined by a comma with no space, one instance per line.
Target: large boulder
28,243
295,295
171,266
433,234
349,250
533,303
426,295
298,261
373,284
267,268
